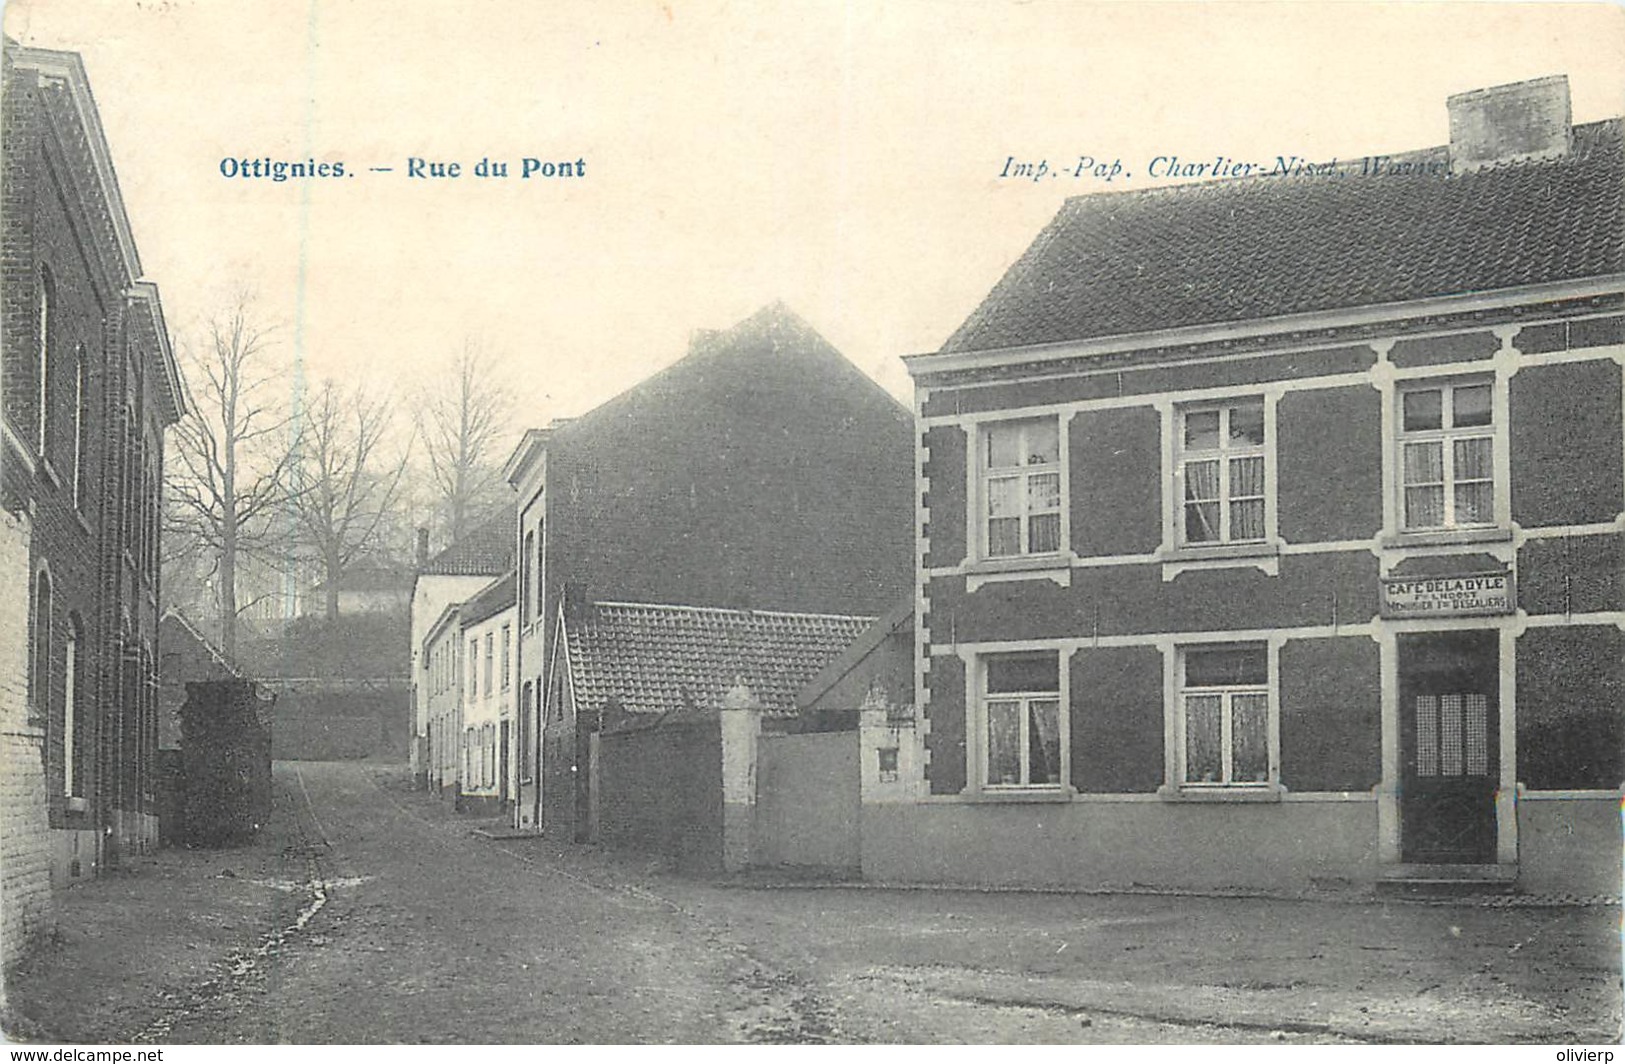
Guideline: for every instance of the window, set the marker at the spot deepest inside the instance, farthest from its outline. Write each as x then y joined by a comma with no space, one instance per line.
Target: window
1020,465
1447,455
1224,703
473,668
526,574
1022,717
507,656
42,357
1221,468
39,684
70,706
81,419
490,664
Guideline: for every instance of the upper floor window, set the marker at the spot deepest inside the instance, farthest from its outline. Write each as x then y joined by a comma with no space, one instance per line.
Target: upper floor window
507,657
473,668
1021,487
490,664
526,575
1447,455
81,422
1022,720
42,357
1222,473
1224,716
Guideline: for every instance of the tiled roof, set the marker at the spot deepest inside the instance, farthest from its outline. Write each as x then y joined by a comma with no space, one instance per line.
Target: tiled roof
659,659
1228,251
490,600
486,551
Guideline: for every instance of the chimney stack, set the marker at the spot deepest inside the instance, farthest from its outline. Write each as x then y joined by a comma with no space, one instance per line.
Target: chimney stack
1527,120
423,547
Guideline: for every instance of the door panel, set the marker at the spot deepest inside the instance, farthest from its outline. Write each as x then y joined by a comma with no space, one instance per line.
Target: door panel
1449,746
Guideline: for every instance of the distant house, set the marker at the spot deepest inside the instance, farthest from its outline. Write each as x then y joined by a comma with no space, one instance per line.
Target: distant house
91,385
362,589
1272,531
448,578
763,471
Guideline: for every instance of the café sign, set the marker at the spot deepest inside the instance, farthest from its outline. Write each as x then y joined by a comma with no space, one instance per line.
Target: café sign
1447,596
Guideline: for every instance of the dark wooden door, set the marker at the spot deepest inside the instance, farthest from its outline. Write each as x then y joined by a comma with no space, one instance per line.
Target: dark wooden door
1449,744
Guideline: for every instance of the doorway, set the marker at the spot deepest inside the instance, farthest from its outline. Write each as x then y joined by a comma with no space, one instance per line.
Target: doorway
1449,746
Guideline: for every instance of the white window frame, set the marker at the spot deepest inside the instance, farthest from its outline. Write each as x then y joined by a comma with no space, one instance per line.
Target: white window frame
80,371
506,664
473,668
1227,692
42,364
1446,436
980,745
1223,454
70,695
983,476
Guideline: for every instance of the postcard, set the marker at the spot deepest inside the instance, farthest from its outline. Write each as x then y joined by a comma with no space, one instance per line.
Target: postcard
682,521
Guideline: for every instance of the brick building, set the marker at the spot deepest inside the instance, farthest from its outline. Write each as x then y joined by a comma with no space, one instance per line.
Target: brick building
763,471
1272,530
90,385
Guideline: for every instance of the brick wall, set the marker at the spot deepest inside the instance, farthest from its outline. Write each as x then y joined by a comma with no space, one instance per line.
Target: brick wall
94,542
26,912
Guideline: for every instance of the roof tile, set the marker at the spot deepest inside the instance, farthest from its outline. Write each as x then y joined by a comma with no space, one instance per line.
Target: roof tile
1233,250
661,659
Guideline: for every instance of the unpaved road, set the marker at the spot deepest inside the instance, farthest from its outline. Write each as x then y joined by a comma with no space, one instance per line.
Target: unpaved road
370,913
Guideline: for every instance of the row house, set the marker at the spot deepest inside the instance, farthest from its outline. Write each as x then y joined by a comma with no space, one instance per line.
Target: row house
1271,532
489,697
467,677
762,471
444,580
441,687
90,386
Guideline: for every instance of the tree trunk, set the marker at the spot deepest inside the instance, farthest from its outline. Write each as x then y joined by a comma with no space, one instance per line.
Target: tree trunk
228,592
332,589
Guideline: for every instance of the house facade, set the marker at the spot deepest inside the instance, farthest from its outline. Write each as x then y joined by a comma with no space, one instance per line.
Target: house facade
442,687
90,386
449,577
487,622
763,471
1271,532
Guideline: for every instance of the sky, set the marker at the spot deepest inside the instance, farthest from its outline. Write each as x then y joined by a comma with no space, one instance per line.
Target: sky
847,158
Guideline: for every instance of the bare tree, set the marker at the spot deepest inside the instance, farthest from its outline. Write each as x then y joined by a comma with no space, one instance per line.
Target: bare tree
461,422
232,452
343,494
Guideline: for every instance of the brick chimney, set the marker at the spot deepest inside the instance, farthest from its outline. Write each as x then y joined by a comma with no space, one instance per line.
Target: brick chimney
423,547
1527,120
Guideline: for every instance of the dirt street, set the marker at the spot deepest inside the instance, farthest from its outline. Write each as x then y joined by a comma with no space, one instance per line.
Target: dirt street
371,913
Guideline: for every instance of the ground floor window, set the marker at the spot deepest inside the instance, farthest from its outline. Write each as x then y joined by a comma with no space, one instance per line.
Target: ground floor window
1022,722
1224,715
